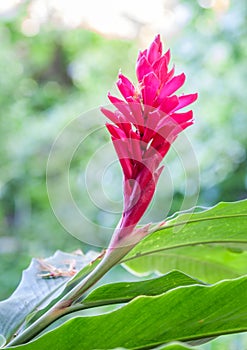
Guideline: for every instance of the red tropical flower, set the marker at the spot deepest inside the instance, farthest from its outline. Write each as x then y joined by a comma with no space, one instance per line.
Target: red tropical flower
144,126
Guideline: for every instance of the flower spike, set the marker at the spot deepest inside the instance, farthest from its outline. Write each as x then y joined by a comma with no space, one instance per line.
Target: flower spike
145,124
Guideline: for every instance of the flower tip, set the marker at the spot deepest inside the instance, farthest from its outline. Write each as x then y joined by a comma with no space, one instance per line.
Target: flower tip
157,41
194,97
183,76
120,75
157,38
111,97
168,57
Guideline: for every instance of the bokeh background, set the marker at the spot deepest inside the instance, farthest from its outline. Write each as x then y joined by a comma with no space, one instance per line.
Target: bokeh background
58,60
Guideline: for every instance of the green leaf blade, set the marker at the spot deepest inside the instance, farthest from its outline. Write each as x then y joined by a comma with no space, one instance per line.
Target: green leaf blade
224,225
125,291
182,314
225,222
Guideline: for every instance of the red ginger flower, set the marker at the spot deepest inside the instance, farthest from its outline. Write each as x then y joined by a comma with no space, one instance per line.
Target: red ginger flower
144,127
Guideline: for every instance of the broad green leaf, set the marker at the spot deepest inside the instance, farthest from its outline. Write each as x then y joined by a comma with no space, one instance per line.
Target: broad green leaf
35,291
209,263
123,292
223,224
182,314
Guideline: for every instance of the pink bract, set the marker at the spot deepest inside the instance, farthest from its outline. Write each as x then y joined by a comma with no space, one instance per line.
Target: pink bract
144,125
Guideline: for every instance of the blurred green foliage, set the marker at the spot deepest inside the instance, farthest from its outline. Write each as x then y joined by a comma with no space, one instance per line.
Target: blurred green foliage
46,81
51,78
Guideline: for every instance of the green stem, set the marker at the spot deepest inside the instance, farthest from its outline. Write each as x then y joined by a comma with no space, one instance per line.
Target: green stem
67,303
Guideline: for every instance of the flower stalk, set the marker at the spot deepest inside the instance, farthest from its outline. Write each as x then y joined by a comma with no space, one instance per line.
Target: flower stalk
67,304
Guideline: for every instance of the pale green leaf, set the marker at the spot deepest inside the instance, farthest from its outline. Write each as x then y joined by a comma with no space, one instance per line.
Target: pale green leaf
208,263
35,291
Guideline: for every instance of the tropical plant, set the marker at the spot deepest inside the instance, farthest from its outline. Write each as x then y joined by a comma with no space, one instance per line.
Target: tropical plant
200,256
